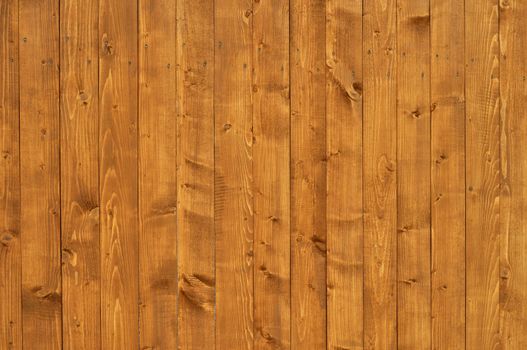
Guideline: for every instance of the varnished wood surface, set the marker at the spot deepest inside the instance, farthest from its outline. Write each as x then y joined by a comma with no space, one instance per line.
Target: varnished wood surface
263,174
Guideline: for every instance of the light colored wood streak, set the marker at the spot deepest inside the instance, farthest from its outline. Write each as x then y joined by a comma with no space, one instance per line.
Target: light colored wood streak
379,164
513,199
118,143
79,174
196,242
413,177
39,174
157,175
10,260
308,174
271,174
344,174
233,210
482,173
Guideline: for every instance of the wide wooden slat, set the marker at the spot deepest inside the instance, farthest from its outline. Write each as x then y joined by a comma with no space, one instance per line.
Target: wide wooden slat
118,174
10,259
271,175
233,175
39,174
448,174
308,174
196,174
482,173
413,177
513,199
380,178
344,174
157,175
79,174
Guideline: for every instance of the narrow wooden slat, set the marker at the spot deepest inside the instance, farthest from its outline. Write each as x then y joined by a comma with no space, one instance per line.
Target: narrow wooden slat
39,174
513,199
10,260
196,174
118,141
233,174
79,174
482,173
448,174
271,175
380,179
413,177
308,174
344,174
157,175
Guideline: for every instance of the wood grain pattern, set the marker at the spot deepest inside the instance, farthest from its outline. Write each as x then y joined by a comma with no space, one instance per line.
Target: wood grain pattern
344,174
10,258
413,177
118,174
308,174
482,174
380,174
157,175
79,153
39,174
448,174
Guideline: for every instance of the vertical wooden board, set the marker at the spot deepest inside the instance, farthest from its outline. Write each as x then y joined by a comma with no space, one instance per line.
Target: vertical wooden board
513,199
157,175
233,210
413,181
482,173
380,178
308,174
448,174
118,109
271,175
196,304
79,174
10,260
344,174
39,173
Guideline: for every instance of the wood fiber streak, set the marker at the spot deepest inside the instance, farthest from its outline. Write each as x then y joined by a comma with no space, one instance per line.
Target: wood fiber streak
448,174
195,79
271,174
118,170
344,174
380,174
10,259
233,178
308,174
39,174
79,174
482,174
157,175
413,177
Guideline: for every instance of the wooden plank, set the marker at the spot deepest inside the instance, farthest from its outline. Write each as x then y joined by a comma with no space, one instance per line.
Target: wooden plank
413,178
380,178
118,141
344,174
448,174
233,174
39,173
196,174
10,259
271,175
79,174
482,173
513,199
308,174
157,175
